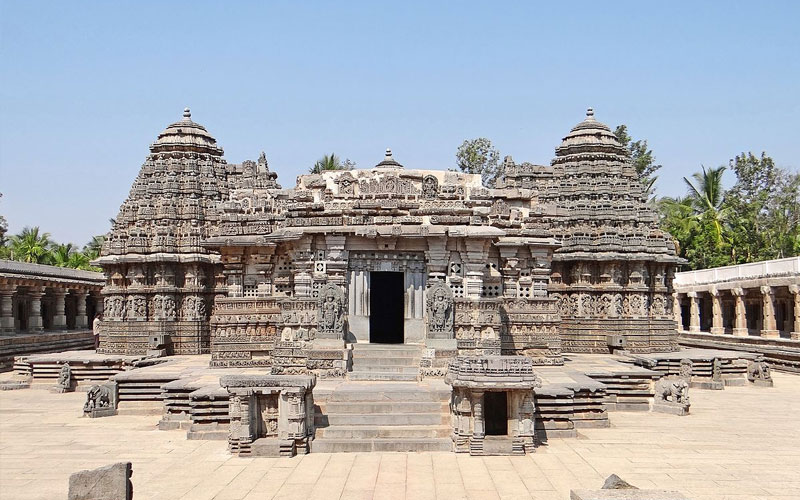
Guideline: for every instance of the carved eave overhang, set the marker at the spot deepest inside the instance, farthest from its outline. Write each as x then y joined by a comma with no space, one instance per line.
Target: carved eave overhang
612,256
493,372
519,241
304,382
270,240
138,258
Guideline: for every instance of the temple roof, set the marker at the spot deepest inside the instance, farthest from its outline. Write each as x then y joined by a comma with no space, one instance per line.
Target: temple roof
186,135
590,134
388,161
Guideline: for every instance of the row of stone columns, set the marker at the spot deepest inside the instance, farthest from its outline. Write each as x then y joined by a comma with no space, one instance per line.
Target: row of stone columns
35,294
769,326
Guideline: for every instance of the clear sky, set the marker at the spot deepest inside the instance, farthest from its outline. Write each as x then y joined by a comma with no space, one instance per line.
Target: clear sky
87,86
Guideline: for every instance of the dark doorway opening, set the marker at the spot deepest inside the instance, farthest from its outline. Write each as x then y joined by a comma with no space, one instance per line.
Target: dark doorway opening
496,412
386,307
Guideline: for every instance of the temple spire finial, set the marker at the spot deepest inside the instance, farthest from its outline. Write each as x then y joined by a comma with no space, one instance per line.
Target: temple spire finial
187,114
590,113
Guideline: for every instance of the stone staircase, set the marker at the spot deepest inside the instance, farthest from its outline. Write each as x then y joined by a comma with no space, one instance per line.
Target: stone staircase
385,362
384,416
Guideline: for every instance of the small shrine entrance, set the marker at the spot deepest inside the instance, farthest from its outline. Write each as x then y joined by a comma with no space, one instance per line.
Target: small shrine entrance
496,413
386,305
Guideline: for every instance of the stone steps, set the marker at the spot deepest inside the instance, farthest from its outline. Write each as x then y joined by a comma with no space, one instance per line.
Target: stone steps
388,416
385,407
382,376
387,419
384,432
385,362
380,444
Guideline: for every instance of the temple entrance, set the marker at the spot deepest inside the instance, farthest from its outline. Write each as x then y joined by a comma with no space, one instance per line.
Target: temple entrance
496,413
386,304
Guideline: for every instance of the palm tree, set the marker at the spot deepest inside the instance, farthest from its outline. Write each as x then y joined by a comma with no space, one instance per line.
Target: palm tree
327,162
31,246
92,249
707,197
79,260
60,255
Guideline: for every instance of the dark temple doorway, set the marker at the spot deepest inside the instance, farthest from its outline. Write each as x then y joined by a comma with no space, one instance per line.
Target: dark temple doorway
386,303
496,413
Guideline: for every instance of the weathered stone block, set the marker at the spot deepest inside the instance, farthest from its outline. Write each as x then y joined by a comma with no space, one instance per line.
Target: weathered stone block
626,495
111,482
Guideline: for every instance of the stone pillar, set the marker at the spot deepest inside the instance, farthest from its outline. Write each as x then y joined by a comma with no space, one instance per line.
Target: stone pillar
7,308
795,291
35,323
478,427
694,312
60,315
81,321
769,327
716,313
676,310
740,317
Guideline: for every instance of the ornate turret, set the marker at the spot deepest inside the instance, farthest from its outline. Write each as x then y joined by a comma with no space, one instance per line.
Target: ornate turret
160,278
613,272
388,161
185,136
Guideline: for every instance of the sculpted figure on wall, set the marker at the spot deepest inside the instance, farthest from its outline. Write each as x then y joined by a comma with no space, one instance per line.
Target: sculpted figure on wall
440,311
330,319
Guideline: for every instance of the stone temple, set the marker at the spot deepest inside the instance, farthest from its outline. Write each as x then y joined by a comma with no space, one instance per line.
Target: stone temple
388,309
219,258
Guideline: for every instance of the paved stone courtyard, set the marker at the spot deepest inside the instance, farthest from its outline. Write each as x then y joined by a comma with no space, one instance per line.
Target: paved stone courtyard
740,443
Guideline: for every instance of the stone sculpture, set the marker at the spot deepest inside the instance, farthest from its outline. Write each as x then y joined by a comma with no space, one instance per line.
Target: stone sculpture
65,382
758,373
440,311
101,401
330,308
671,396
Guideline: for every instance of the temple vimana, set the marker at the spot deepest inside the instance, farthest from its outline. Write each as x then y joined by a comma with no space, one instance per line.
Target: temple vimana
221,259
389,308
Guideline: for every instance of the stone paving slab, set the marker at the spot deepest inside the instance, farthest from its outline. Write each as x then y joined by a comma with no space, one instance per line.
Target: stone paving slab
741,443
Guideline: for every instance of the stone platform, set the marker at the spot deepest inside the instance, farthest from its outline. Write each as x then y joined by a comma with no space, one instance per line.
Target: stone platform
734,445
29,343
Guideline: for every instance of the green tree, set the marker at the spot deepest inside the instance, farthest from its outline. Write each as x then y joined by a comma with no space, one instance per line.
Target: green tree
331,162
60,254
677,218
93,248
764,206
5,251
643,159
707,197
31,246
478,156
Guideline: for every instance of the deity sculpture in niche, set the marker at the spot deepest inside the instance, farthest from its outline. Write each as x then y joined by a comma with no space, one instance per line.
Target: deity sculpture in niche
440,311
430,187
330,312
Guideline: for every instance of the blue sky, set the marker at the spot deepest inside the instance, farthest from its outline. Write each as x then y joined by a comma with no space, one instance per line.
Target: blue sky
86,87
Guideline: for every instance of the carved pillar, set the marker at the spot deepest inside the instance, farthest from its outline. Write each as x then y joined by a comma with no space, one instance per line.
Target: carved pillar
676,310
81,321
769,327
740,319
6,308
716,313
478,427
694,312
35,317
60,315
795,291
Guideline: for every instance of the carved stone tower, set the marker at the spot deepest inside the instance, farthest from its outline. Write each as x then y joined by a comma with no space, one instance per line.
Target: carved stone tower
613,273
160,279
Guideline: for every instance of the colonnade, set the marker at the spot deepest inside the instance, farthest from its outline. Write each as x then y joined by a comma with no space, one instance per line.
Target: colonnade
766,311
35,298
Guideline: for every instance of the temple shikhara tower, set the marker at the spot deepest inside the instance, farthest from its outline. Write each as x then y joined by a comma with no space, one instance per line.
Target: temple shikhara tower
211,257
